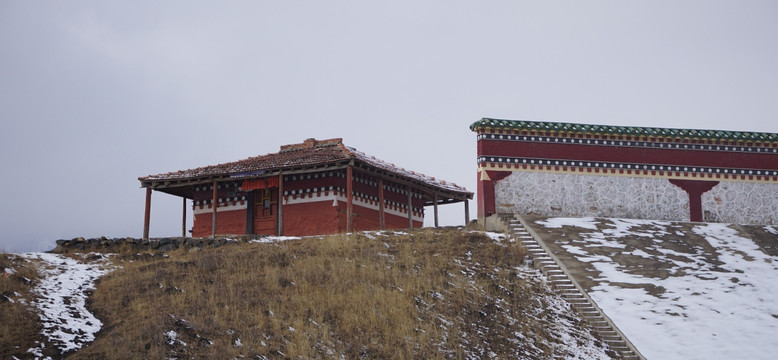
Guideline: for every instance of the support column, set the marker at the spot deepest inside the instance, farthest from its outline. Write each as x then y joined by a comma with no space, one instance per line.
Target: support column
695,189
183,219
280,225
250,212
410,207
380,203
214,204
486,196
467,211
349,198
147,214
435,206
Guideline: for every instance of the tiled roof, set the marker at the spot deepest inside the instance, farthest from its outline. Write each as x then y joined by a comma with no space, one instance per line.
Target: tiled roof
307,154
622,130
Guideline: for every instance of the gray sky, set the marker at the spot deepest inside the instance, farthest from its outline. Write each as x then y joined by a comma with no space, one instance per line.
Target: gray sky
95,94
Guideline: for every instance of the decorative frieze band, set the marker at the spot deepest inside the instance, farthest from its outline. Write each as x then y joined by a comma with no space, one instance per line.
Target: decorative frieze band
626,169
292,195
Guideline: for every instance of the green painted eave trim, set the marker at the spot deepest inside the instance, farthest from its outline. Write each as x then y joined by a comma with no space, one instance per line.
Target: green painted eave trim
502,124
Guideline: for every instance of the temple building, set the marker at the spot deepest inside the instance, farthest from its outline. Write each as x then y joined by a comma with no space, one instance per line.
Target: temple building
565,169
315,187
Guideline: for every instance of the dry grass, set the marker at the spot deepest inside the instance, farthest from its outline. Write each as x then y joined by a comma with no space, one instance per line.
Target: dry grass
19,328
427,294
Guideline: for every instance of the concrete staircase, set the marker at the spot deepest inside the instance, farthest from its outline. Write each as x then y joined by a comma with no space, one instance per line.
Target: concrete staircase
560,279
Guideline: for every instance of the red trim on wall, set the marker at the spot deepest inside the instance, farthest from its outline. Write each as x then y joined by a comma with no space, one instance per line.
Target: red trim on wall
641,155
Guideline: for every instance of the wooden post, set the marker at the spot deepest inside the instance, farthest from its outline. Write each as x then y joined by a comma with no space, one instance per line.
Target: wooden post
214,204
349,198
410,208
435,205
147,214
467,212
280,225
183,219
380,203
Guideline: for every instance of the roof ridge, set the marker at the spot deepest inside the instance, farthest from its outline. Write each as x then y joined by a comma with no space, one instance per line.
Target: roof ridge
622,130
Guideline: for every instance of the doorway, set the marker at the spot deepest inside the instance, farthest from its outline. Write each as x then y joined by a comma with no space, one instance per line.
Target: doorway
265,211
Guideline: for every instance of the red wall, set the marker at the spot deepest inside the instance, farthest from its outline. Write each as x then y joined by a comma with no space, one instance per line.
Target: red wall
314,218
311,219
625,154
227,222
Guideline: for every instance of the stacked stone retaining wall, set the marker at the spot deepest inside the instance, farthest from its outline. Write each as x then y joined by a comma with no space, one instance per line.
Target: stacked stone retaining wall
155,244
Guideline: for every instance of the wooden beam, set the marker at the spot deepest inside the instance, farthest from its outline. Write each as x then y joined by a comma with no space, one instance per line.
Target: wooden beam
280,204
349,198
214,204
162,184
435,200
183,219
147,215
380,203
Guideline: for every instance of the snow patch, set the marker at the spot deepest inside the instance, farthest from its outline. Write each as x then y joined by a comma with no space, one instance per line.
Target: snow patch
61,298
585,222
714,304
274,239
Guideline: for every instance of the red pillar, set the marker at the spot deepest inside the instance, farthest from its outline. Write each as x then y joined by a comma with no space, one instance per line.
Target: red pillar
280,225
486,197
183,219
349,198
410,208
381,203
695,189
214,204
147,214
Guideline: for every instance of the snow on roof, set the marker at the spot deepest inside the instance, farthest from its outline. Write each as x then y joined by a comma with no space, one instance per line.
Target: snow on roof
309,153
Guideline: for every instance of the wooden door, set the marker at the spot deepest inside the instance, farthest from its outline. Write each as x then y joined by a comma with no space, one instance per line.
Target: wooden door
265,211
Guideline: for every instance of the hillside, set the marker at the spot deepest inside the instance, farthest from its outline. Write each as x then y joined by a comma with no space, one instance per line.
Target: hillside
432,293
677,290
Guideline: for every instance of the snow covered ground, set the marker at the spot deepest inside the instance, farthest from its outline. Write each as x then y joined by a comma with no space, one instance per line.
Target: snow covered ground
678,291
61,299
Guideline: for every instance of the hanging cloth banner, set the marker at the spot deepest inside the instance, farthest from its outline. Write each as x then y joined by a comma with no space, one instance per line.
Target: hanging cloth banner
257,184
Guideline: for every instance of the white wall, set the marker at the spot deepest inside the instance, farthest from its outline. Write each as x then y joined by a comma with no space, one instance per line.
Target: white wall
552,194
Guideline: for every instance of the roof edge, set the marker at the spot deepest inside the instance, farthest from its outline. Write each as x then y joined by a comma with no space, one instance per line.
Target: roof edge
504,124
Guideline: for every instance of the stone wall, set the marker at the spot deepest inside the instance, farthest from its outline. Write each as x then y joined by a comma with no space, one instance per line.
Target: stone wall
741,203
154,244
551,194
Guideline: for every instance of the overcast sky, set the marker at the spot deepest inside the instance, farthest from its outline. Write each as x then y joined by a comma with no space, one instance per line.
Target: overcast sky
95,94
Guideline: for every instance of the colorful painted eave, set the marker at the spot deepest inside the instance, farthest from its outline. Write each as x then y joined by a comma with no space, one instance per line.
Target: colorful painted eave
572,128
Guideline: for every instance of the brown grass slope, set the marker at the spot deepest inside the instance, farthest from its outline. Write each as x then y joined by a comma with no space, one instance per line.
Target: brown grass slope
432,293
19,327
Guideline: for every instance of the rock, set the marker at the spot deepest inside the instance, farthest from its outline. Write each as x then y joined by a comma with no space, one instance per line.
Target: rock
166,247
